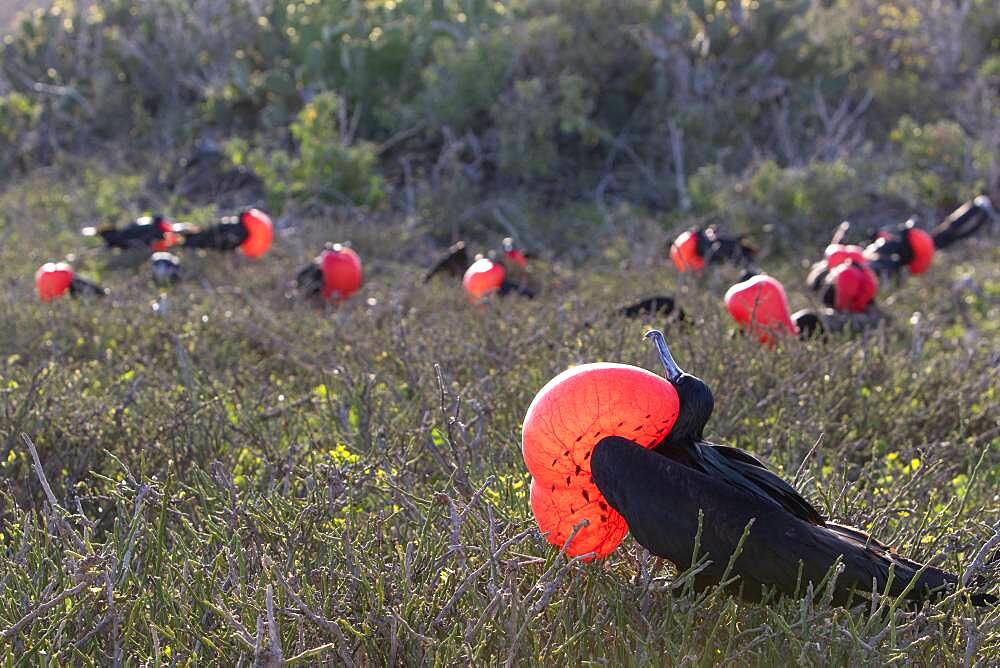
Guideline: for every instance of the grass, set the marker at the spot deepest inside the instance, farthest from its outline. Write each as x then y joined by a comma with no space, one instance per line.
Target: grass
241,477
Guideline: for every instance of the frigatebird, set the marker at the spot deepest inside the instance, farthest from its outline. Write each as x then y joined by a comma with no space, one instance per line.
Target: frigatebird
251,231
147,232
55,279
818,323
964,221
334,274
892,248
455,262
696,247
686,490
659,305
165,268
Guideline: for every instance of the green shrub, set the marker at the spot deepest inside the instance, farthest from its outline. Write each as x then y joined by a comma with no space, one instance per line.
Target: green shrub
329,167
941,164
800,203
464,81
18,116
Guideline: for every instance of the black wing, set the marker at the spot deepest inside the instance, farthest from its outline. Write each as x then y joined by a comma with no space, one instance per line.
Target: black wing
743,470
225,236
661,500
963,222
658,305
309,280
454,262
509,287
81,287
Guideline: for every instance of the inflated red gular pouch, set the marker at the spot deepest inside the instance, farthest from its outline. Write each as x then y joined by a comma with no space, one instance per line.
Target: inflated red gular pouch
837,254
564,422
52,280
684,252
483,277
854,287
342,273
260,232
922,246
760,306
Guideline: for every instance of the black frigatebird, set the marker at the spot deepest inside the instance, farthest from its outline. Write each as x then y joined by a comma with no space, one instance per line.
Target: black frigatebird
55,279
165,268
964,221
251,231
659,305
147,232
335,274
817,323
455,262
696,247
662,492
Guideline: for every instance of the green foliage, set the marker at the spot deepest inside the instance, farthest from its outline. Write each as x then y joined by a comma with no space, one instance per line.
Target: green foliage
797,203
328,167
464,81
941,163
562,96
18,116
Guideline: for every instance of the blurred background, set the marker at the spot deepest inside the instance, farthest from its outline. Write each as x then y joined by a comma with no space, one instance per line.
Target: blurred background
558,121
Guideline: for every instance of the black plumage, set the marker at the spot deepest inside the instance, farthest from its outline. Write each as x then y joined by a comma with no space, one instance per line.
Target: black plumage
821,323
141,233
226,235
661,493
81,287
165,268
661,499
309,280
716,248
734,250
453,262
659,305
509,287
964,222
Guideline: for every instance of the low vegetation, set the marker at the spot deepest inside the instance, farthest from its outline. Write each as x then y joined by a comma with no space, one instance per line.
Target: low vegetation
220,473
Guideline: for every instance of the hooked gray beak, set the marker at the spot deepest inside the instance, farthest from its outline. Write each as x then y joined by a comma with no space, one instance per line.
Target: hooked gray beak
673,371
984,202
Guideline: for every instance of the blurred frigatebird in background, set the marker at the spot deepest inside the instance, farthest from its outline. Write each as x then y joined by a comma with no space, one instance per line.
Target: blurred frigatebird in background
456,261
696,247
686,490
965,221
905,245
148,233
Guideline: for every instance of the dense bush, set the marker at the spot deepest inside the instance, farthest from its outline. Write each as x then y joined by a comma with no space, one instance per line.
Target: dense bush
654,102
328,166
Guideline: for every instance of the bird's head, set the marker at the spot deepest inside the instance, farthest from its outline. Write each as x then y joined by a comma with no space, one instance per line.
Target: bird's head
984,203
696,399
165,268
513,254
